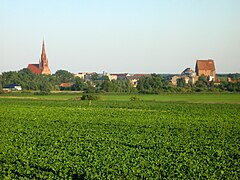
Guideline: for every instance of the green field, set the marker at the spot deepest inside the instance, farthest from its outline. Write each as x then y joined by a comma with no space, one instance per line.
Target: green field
168,136
189,98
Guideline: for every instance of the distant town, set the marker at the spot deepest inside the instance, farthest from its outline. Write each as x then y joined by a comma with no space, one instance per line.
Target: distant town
202,78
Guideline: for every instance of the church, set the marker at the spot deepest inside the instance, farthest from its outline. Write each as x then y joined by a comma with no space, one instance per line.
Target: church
206,68
42,67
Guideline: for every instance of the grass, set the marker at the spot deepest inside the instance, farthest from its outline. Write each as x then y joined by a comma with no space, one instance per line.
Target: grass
172,97
192,98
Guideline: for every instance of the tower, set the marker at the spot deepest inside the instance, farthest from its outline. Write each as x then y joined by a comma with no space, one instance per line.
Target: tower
43,61
206,68
42,66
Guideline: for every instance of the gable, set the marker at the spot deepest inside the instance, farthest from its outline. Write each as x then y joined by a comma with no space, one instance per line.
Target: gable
205,65
34,68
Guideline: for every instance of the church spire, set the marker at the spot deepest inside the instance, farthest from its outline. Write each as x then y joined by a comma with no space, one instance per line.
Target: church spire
43,65
43,48
43,55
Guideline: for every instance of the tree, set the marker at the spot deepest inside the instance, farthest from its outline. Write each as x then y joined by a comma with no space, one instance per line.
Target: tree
10,78
45,86
233,86
62,76
151,84
202,82
107,86
181,82
79,84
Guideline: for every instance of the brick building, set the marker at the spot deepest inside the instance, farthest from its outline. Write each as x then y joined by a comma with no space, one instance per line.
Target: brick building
42,67
206,68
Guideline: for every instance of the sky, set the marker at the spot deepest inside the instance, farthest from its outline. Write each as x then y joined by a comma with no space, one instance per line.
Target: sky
135,36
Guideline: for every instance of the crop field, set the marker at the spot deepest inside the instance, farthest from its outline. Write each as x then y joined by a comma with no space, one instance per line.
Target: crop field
188,98
120,139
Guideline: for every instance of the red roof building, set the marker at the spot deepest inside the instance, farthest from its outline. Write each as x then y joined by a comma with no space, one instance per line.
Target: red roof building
66,85
42,67
206,68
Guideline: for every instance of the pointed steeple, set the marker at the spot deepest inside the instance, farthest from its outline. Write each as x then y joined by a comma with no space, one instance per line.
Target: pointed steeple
42,67
43,64
43,50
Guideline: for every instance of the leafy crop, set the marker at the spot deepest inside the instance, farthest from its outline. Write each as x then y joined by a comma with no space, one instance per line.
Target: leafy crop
49,139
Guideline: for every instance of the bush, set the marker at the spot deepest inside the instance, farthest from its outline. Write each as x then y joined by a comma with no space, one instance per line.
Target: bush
41,93
134,98
90,97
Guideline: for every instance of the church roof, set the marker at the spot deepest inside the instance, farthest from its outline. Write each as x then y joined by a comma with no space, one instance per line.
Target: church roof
34,68
42,67
205,65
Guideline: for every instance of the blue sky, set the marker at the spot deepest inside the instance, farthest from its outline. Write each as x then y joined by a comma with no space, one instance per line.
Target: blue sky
138,36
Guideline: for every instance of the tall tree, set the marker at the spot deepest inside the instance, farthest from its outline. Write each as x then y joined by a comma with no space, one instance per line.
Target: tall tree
64,76
79,84
150,84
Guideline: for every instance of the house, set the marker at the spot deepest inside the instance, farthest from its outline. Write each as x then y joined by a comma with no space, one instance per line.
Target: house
187,79
174,79
66,86
206,68
189,76
90,76
112,77
122,76
193,79
188,72
229,79
217,82
80,75
138,76
133,81
12,87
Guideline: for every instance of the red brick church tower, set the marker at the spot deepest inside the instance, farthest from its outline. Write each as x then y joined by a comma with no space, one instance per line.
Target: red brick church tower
42,67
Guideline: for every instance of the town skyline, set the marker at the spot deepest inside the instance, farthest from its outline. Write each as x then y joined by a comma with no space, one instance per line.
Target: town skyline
43,62
133,37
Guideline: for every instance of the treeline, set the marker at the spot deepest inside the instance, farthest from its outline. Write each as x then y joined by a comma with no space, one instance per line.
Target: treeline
30,81
153,84
47,83
156,84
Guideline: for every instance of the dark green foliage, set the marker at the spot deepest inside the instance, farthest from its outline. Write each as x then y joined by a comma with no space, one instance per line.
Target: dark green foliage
233,87
90,97
90,89
154,84
134,98
202,82
28,80
79,85
45,86
181,82
63,76
41,93
119,86
234,76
